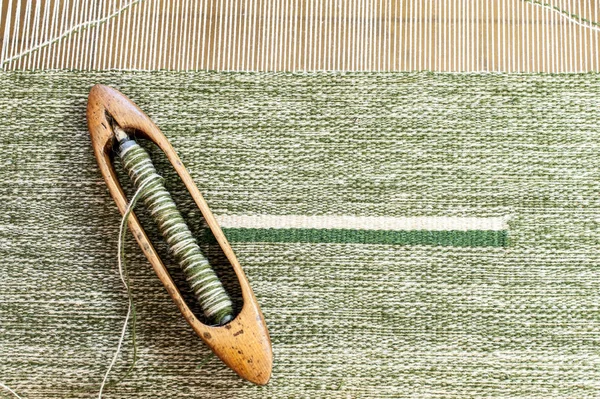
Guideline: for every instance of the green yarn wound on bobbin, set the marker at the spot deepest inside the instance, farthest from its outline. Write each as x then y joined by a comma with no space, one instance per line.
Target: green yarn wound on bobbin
214,300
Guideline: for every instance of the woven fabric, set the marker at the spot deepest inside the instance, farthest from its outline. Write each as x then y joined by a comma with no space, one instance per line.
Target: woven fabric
349,318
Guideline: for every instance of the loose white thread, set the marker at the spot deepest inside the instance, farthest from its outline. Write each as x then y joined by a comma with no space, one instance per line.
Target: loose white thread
565,16
9,390
120,262
74,29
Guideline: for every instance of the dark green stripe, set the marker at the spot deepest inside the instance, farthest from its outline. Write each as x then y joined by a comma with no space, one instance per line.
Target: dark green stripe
455,238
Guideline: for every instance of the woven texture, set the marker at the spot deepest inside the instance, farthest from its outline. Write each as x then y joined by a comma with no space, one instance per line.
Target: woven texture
416,318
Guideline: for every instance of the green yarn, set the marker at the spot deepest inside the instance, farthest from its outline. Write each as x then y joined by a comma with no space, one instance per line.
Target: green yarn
455,238
214,300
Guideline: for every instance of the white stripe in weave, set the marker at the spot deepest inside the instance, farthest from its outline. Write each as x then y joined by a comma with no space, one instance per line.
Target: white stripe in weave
433,223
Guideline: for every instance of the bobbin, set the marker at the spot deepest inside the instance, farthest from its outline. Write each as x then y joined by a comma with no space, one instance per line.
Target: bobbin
243,344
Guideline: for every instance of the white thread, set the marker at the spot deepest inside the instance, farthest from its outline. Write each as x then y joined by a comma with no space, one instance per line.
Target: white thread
582,52
67,48
191,266
143,47
195,260
174,237
35,37
168,230
166,222
122,231
596,47
216,43
71,30
180,246
154,198
91,38
9,390
213,300
504,37
210,276
5,39
194,257
100,38
52,53
46,24
568,17
525,29
212,291
198,274
148,177
154,36
16,26
148,167
217,306
26,29
81,14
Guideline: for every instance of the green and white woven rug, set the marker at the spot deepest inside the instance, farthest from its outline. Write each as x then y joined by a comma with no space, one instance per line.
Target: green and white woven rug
407,235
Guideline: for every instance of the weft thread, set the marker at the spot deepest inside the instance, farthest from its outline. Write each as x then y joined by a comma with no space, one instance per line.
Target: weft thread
212,297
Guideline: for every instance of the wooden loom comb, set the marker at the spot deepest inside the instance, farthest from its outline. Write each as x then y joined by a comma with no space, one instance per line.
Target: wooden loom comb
243,344
302,35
